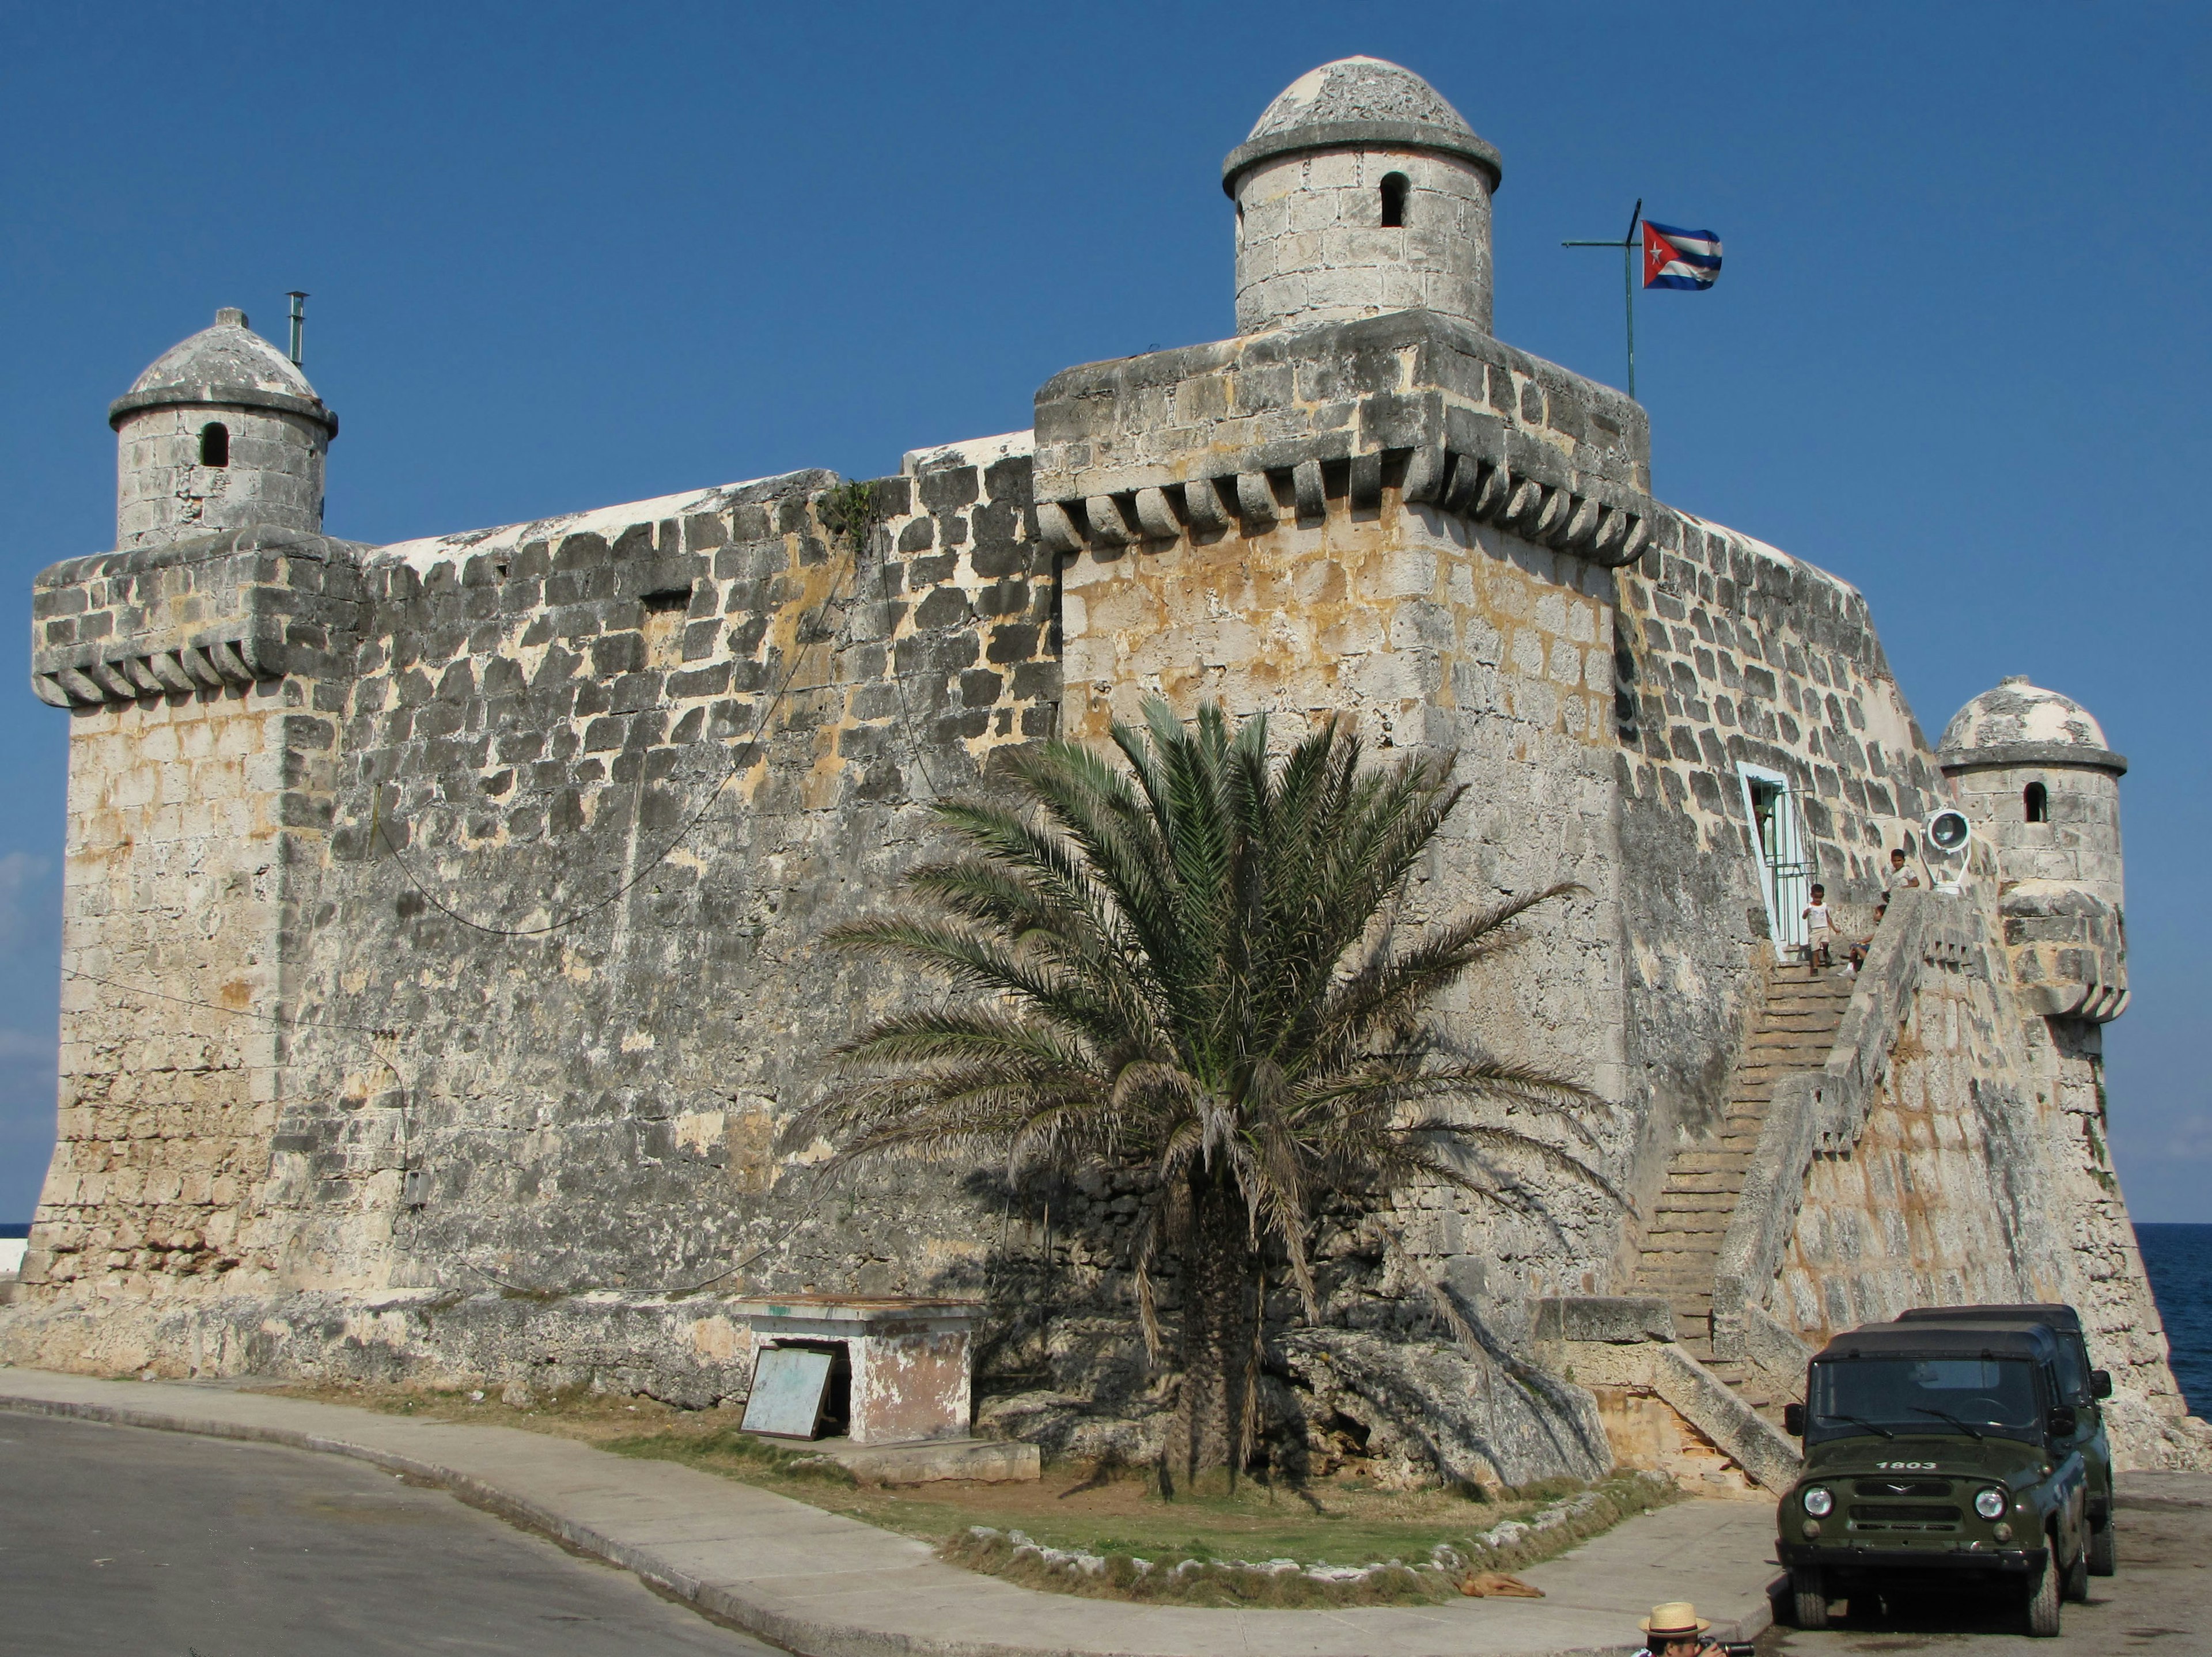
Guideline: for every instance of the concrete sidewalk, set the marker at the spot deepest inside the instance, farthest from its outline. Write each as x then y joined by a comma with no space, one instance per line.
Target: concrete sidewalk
824,1585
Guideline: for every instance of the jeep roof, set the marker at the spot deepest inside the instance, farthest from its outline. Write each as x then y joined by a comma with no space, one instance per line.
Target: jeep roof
2056,1315
1929,1340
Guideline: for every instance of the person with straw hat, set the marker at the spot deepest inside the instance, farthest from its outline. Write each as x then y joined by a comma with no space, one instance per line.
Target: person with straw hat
1675,1629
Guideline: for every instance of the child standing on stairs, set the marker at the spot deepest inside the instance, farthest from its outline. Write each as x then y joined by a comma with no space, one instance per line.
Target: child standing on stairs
1820,931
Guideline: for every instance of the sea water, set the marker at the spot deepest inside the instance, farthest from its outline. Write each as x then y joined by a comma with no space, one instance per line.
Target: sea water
2179,1260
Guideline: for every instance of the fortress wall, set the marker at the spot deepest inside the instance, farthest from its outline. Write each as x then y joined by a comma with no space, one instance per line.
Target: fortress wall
1937,1202
1434,636
2104,1272
172,878
1730,652
601,797
543,884
1981,1175
198,795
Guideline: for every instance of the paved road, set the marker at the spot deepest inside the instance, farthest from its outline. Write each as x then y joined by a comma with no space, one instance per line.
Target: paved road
117,1540
2161,1603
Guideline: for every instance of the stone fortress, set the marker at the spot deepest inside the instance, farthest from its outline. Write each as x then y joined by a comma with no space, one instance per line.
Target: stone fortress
441,954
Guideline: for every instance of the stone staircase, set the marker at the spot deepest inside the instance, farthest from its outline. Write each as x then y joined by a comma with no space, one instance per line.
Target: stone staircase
1795,1030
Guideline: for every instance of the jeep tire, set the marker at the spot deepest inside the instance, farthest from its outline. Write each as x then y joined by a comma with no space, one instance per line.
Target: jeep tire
2043,1604
1809,1592
2076,1585
2104,1550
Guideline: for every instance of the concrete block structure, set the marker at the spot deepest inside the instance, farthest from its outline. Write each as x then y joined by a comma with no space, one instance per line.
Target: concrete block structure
442,949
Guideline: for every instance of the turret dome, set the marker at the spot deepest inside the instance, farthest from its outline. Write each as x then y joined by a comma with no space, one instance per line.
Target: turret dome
222,432
2022,723
227,364
1360,192
1360,102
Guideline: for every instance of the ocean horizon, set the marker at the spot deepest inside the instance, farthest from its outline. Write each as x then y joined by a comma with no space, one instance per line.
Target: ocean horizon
2178,1259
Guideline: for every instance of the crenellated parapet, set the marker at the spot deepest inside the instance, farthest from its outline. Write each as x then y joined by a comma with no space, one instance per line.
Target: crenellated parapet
1248,434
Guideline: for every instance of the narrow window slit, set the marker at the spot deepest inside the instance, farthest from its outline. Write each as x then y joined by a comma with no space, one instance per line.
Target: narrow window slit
1394,201
2037,800
214,443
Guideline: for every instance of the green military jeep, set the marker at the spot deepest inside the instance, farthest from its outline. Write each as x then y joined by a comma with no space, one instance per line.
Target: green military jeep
2086,1389
1933,1451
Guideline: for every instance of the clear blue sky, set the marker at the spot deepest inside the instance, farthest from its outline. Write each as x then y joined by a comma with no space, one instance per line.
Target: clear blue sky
568,255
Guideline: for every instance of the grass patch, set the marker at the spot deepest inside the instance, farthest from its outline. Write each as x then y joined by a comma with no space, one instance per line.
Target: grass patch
1100,1532
739,1455
1198,1572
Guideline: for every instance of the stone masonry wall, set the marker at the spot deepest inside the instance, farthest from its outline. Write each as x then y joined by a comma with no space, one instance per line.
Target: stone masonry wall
550,981
274,476
1311,246
507,856
1729,652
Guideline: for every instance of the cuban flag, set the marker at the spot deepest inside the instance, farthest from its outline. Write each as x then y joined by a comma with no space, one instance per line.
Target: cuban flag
1680,259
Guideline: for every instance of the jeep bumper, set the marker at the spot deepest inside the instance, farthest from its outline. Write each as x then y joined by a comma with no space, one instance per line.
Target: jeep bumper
1848,1557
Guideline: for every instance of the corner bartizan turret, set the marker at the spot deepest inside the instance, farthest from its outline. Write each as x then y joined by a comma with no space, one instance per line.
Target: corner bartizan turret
2034,772
222,432
1360,190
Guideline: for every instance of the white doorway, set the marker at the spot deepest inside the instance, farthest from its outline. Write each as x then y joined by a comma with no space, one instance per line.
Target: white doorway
1785,863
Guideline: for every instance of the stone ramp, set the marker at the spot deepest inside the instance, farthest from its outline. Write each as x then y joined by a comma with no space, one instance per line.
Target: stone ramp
824,1585
1794,1031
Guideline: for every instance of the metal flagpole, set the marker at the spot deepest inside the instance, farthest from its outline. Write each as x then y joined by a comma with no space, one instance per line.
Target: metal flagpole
1627,245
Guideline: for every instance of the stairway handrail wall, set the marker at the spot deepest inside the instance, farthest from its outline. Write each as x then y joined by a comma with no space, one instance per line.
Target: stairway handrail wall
1826,1110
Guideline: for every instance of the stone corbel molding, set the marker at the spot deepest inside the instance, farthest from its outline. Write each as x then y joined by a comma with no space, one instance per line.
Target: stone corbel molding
207,664
1825,1111
199,616
1450,459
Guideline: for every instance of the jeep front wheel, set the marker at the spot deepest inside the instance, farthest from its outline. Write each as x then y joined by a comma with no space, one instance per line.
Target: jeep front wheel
2104,1550
2076,1585
1810,1592
2042,1596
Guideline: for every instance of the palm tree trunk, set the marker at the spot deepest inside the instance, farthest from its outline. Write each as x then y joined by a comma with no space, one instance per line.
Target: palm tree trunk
1217,1330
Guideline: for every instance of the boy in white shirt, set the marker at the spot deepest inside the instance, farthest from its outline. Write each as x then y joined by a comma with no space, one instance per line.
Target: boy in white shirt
1900,875
1820,931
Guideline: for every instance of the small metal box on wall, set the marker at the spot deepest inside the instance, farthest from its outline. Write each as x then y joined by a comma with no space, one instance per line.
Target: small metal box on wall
910,1364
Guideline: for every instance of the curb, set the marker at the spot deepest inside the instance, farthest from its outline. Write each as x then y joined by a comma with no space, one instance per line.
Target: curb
804,1636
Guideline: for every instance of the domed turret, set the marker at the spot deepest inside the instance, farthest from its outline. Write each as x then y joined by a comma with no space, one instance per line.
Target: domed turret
2033,771
223,431
1360,190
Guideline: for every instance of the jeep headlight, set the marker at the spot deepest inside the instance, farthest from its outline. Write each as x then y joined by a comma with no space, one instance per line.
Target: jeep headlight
1990,1504
1819,1501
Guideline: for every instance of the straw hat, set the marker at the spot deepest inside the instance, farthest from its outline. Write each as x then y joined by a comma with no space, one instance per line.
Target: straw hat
1677,1619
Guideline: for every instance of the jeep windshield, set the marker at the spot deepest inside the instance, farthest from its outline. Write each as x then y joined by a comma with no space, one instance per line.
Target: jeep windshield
1891,1397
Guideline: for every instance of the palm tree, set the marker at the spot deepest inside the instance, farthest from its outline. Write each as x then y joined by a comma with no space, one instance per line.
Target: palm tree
1186,969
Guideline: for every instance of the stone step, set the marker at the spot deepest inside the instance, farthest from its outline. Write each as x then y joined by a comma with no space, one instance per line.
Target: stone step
1686,1273
1685,1280
1707,1161
1766,1067
1797,1043
1681,1221
1684,1293
1674,1201
1724,1182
